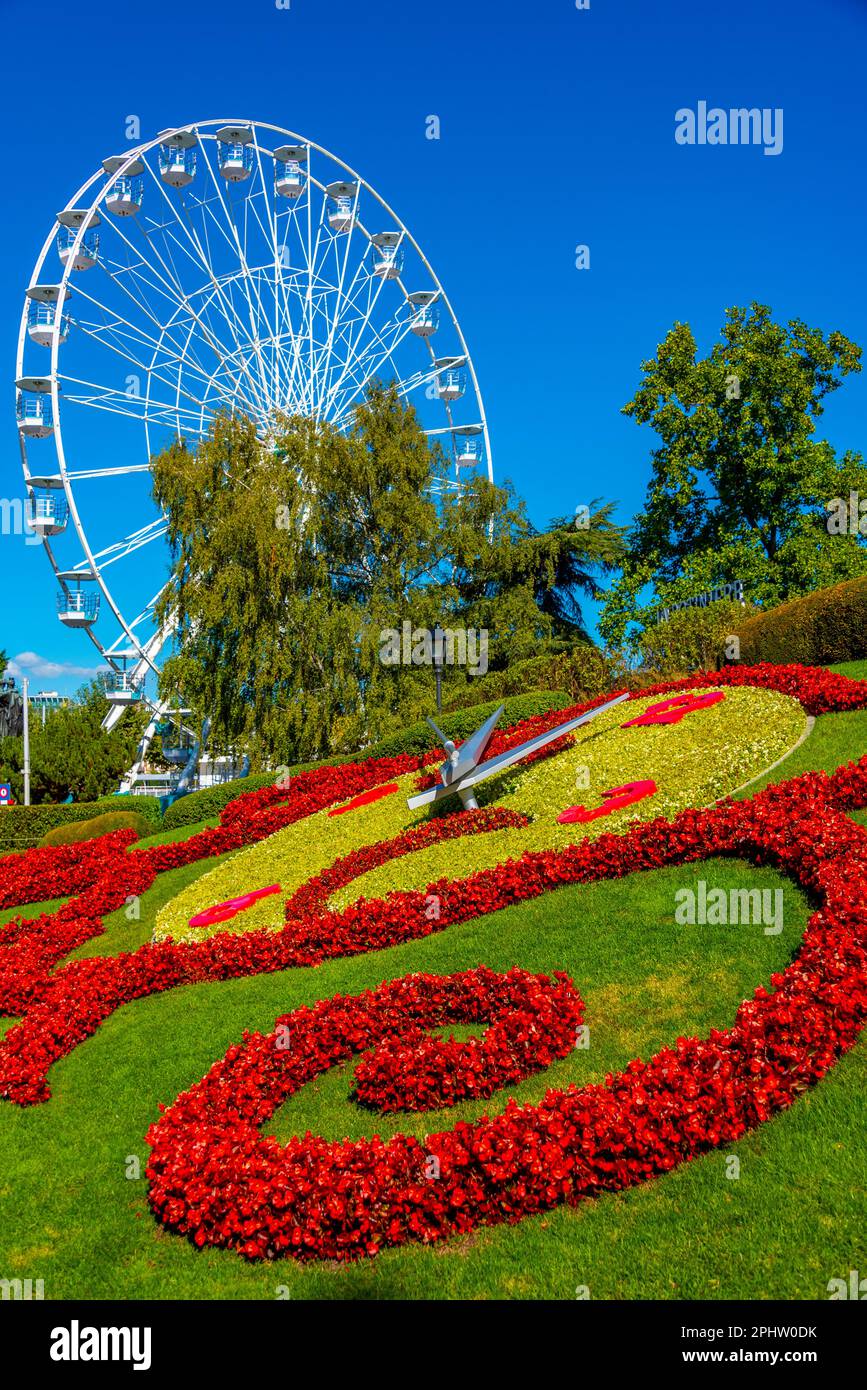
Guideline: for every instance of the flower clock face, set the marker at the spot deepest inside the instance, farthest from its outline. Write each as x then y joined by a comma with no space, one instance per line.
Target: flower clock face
338,866
716,742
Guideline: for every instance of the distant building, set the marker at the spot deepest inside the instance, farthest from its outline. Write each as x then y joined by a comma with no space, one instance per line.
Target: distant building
50,699
41,701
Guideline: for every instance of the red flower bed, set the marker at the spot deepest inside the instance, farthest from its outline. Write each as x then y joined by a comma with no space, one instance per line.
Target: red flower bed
365,799
534,1021
57,871
615,799
214,1177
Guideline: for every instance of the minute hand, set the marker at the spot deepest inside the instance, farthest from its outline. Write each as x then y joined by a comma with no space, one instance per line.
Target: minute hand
514,755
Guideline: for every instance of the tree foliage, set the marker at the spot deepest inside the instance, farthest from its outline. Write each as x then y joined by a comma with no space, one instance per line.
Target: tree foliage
72,755
292,557
740,483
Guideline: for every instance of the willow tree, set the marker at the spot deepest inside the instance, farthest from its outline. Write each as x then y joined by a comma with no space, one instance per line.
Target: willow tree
292,556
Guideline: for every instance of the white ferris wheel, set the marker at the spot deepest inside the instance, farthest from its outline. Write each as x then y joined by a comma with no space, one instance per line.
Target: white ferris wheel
226,264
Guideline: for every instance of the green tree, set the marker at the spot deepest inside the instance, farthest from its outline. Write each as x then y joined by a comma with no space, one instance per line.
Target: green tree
73,754
292,558
740,484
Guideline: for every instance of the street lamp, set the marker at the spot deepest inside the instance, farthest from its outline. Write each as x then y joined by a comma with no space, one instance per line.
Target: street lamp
438,635
25,685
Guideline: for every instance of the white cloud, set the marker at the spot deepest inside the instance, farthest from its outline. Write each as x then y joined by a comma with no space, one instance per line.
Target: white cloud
33,665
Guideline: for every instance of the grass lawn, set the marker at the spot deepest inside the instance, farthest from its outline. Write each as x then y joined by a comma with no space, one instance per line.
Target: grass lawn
792,1220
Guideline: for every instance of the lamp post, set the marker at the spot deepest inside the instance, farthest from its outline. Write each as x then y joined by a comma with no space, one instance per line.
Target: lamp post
438,664
25,685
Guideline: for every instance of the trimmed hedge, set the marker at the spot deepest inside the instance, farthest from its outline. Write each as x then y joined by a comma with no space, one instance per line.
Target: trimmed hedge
417,738
820,629
77,831
23,827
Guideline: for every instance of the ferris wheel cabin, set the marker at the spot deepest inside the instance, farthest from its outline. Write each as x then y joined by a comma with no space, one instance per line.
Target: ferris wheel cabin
341,216
84,256
122,686
235,152
77,607
289,177
451,380
424,313
178,159
42,321
469,446
387,255
47,507
125,193
33,407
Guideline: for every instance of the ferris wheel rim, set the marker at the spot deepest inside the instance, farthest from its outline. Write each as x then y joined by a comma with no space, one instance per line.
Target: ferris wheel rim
90,567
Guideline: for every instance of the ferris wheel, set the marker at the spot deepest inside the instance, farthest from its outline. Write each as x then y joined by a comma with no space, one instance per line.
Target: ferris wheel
222,265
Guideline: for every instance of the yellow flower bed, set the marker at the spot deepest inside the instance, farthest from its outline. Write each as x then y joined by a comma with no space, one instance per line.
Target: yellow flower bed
289,857
693,763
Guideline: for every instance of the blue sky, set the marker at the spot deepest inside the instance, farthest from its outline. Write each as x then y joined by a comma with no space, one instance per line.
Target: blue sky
557,128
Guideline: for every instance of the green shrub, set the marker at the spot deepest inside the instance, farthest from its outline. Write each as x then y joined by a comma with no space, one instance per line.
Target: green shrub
416,738
582,671
22,827
76,831
692,639
147,806
820,629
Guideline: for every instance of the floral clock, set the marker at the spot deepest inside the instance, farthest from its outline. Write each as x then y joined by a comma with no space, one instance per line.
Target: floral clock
309,885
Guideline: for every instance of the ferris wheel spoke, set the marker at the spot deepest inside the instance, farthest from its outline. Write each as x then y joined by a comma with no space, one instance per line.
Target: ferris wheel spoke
118,403
236,322
204,262
242,258
312,252
362,284
219,348
282,302
161,284
105,334
168,333
119,550
148,401
274,333
122,338
123,286
367,364
365,357
122,470
338,298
